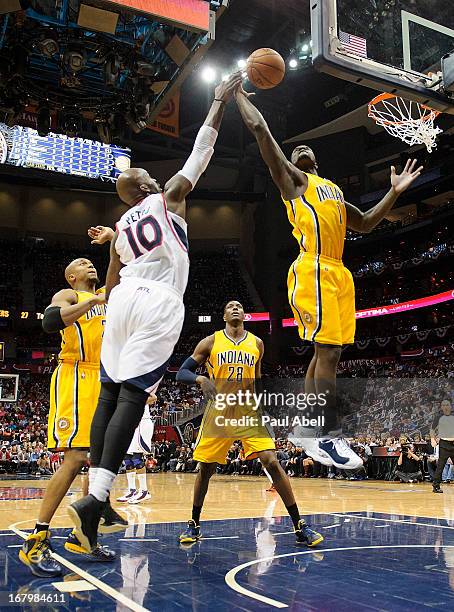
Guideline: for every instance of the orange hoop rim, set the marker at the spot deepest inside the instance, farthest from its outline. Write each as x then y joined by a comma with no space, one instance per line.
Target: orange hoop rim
433,114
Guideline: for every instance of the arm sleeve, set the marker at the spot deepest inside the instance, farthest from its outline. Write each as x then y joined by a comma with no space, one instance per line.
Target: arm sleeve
201,155
187,372
52,321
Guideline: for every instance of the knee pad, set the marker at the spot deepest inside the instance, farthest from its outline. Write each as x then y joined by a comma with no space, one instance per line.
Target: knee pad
137,461
129,463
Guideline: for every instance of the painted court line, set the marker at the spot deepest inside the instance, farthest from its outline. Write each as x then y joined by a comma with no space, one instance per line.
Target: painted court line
230,577
102,586
221,538
138,540
387,520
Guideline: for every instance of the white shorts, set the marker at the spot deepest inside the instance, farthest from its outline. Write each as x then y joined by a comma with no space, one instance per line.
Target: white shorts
143,324
143,435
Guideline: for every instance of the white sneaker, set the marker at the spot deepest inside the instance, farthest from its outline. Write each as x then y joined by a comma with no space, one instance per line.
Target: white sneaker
127,496
332,451
139,497
311,447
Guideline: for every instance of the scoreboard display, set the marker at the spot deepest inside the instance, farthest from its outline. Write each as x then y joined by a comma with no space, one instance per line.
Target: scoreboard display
24,147
193,14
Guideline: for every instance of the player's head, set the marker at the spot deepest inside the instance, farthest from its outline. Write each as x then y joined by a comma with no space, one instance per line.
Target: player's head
303,158
135,184
233,312
446,407
81,271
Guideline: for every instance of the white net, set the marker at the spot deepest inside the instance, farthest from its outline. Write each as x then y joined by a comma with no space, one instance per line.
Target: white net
410,121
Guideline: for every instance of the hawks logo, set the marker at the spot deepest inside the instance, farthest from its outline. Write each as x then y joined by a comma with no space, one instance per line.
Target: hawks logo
63,424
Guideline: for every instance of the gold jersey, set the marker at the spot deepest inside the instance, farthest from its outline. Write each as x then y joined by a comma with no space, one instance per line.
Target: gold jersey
233,362
319,218
81,341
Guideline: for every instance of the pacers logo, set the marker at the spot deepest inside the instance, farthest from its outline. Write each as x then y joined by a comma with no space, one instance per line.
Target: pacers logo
307,317
63,424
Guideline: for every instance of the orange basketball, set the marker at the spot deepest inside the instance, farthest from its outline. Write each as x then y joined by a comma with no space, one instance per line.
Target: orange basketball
265,68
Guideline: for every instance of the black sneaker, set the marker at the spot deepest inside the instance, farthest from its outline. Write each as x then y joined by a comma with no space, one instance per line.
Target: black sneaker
305,535
437,489
85,514
35,554
111,521
99,553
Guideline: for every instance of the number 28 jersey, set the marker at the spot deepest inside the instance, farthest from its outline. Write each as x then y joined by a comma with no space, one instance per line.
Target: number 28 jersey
152,244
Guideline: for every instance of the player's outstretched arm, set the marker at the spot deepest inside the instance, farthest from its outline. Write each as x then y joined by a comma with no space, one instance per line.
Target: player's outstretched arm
113,271
180,185
288,179
64,310
365,222
187,373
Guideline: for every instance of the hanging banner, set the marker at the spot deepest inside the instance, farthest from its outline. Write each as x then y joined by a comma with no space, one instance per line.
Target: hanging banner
168,120
379,311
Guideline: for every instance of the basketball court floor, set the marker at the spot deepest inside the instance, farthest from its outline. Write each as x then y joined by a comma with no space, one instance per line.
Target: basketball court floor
387,546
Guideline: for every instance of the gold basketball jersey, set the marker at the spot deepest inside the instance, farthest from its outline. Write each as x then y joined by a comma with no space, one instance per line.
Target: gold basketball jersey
233,362
319,218
81,341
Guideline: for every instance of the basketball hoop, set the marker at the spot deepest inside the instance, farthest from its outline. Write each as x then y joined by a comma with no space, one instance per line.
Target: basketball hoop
410,121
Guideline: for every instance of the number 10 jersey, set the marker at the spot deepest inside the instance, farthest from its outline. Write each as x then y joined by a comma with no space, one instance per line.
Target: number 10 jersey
152,244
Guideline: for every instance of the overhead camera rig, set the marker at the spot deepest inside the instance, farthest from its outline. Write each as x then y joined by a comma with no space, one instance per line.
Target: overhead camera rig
98,65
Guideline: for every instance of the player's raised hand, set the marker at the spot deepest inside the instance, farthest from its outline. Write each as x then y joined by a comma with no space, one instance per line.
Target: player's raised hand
240,91
100,234
401,182
225,90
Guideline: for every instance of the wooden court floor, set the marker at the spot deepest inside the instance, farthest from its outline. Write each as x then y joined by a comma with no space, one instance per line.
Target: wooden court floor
232,497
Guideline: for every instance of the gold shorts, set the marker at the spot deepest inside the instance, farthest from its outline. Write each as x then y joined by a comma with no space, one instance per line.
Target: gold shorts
214,441
74,391
321,293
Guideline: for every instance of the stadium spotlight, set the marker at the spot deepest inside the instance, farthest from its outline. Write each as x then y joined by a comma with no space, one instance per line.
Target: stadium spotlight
305,48
293,63
241,63
209,75
75,59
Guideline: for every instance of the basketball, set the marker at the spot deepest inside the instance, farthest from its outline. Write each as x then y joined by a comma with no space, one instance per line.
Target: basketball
265,68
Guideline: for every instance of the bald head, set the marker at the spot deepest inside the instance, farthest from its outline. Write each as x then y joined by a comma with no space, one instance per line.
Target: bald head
81,274
135,184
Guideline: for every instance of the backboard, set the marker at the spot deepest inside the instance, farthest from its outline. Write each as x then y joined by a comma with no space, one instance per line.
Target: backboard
388,45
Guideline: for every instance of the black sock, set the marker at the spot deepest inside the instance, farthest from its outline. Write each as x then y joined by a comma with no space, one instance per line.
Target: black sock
41,527
294,515
196,512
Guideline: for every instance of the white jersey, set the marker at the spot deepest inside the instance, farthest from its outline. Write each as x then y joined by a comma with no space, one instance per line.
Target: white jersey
152,244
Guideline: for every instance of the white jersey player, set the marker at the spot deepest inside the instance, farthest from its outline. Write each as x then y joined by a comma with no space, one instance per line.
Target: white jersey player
145,283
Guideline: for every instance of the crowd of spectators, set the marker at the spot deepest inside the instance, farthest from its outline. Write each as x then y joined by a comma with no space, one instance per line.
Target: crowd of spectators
395,400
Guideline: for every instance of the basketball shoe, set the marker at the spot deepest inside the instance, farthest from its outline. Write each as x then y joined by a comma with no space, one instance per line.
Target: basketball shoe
191,534
111,521
36,554
127,496
99,553
305,535
85,514
139,497
332,451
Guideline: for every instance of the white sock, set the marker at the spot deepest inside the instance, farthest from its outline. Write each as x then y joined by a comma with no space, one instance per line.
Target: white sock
267,474
142,482
131,476
92,476
102,484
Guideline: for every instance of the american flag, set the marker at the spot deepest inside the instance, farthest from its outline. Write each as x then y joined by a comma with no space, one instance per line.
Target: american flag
353,44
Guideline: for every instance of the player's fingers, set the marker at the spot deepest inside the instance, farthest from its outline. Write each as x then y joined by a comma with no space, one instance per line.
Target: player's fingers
413,164
407,165
393,171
